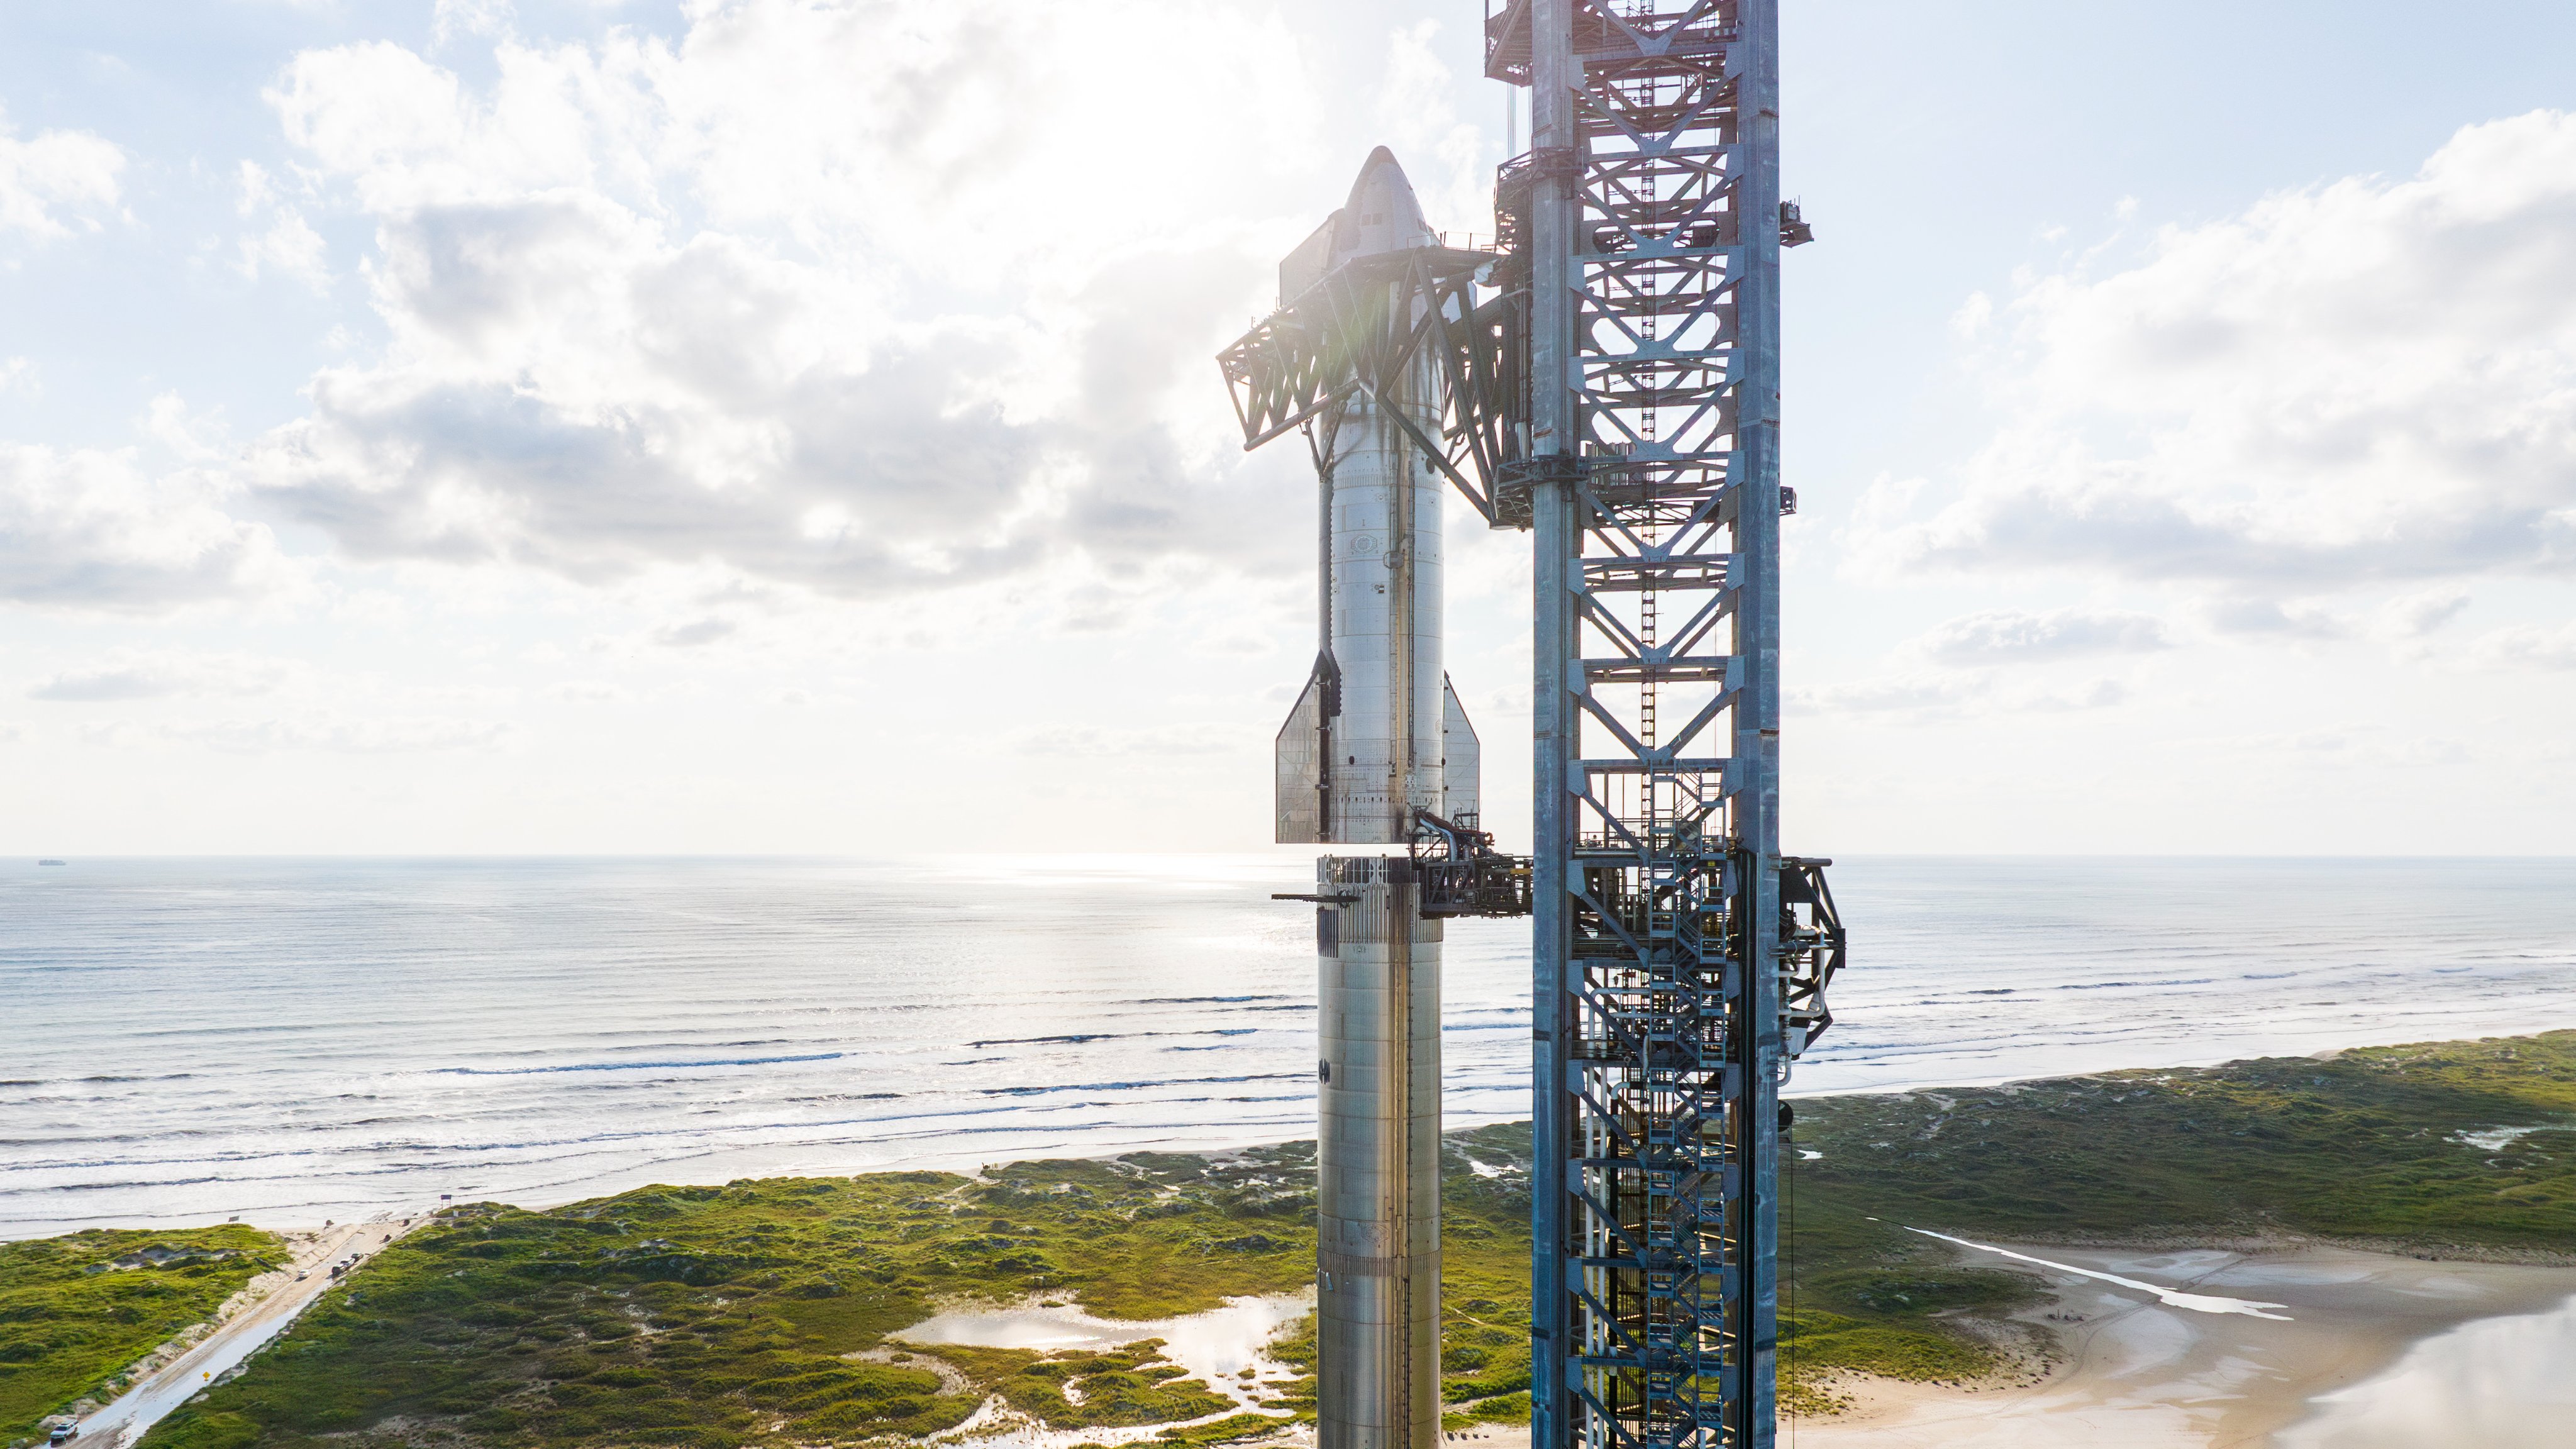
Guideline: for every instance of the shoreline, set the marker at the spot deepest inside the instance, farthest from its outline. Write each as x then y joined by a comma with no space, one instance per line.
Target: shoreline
1213,1141
2134,1373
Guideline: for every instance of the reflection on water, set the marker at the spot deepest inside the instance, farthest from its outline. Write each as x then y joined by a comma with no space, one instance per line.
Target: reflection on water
2500,1383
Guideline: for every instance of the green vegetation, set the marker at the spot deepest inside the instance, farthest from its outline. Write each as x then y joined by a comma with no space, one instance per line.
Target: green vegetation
76,1311
760,1313
1117,1387
2371,1145
756,1312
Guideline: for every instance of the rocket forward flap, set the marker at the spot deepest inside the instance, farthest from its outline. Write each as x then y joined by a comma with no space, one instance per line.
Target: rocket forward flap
1301,747
1461,760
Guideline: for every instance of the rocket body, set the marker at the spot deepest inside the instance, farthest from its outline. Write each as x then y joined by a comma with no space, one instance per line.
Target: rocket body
1377,1205
1377,734
1375,738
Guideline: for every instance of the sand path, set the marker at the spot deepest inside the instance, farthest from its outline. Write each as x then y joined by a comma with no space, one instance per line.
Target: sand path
235,1338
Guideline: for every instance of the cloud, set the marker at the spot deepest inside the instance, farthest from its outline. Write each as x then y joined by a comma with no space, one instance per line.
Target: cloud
2526,646
2369,381
1943,694
695,632
2293,619
56,180
798,294
2412,616
326,733
2363,746
1151,743
153,674
2019,636
88,528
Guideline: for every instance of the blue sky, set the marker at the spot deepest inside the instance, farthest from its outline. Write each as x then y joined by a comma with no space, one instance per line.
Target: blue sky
753,426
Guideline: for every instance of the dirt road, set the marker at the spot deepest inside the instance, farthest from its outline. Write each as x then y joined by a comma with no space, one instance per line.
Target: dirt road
166,1388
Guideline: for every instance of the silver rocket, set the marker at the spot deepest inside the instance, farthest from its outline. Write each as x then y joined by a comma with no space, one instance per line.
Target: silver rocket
1378,733
1376,737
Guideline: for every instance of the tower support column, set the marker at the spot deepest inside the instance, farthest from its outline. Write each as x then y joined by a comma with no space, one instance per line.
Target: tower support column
1378,1188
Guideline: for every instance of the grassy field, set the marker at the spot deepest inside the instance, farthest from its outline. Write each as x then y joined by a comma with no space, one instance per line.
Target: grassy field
758,1313
76,1311
705,1316
2379,1144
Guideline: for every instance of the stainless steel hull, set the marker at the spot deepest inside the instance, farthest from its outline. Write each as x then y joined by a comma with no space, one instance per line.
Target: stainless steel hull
1378,1188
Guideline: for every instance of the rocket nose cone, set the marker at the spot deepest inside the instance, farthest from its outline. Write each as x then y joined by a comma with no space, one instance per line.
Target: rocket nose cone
1382,214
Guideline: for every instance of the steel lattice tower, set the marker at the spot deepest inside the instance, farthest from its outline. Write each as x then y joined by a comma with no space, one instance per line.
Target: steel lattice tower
1673,978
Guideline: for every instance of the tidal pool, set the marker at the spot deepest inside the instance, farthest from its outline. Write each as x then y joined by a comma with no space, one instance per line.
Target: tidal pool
1214,1346
2498,1383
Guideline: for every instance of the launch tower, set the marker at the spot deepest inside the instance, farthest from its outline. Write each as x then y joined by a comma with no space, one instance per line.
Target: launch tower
1679,959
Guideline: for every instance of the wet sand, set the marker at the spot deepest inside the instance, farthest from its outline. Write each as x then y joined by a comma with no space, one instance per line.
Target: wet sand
2138,1373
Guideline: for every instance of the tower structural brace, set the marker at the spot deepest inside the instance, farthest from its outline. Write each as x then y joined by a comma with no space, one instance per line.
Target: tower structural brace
1609,381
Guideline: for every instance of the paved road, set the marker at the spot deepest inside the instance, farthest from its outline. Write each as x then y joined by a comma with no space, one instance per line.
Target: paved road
124,1420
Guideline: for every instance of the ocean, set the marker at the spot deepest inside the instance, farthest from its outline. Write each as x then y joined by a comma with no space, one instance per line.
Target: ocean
289,1041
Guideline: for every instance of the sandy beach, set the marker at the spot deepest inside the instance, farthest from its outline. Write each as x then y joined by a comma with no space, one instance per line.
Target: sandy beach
2140,1373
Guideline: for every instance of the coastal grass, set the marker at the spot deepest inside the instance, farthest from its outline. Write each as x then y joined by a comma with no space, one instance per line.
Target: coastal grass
724,1316
2443,1146
762,1312
77,1311
1092,1388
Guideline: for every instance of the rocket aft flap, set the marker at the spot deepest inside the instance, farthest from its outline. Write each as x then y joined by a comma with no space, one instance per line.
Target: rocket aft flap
1378,733
1313,811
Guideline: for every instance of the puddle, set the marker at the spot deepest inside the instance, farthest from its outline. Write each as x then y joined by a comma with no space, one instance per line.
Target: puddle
1214,1346
2496,1139
2171,1297
2499,1383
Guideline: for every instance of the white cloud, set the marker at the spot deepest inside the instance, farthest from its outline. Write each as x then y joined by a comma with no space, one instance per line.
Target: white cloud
2364,746
2021,636
1158,742
290,247
2425,611
195,436
326,733
1942,694
127,674
798,295
2526,646
2369,381
2301,620
89,528
470,17
694,632
56,180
